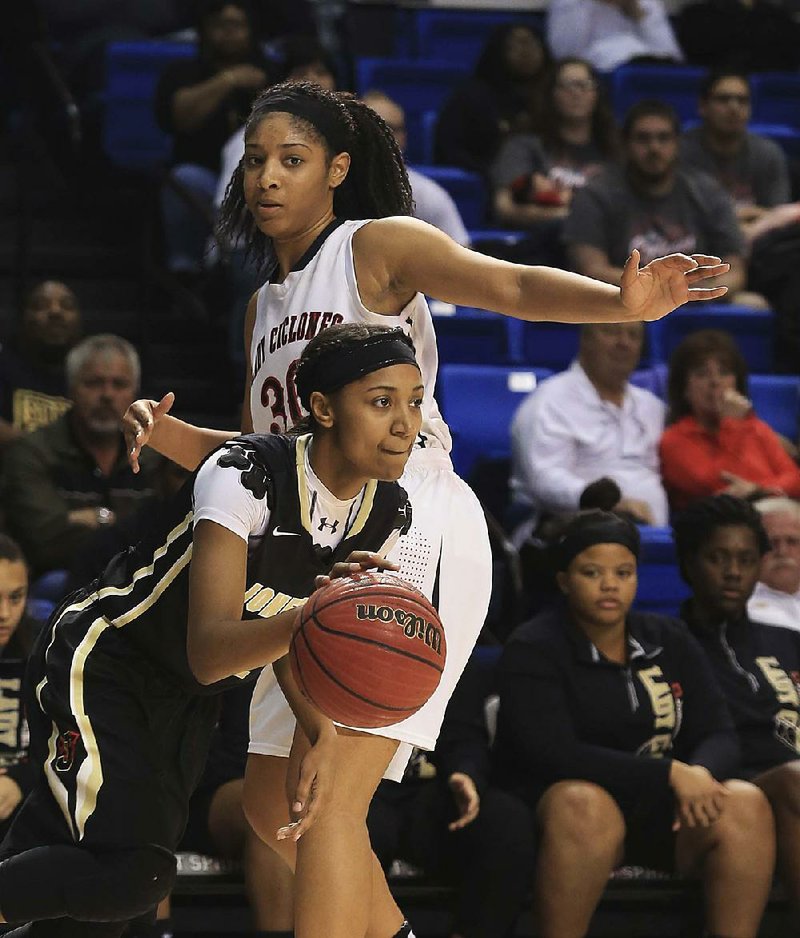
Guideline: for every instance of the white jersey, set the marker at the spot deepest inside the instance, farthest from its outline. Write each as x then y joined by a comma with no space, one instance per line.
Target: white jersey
321,291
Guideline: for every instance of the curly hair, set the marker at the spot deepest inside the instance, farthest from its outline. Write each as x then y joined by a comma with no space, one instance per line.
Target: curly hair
693,351
695,526
376,185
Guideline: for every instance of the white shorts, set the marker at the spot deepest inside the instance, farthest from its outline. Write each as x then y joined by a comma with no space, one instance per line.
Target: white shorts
447,538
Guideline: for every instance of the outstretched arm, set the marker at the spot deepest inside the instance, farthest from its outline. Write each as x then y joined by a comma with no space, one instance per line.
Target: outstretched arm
397,257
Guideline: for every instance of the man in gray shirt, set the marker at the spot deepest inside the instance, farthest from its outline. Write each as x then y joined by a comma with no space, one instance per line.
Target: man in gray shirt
752,169
652,205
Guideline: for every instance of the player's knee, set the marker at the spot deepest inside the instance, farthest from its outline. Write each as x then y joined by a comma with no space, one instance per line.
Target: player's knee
129,883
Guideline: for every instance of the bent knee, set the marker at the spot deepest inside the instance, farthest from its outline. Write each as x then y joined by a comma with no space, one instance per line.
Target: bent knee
581,811
746,810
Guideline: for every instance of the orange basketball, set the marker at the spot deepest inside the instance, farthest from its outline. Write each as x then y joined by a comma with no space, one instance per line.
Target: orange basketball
369,650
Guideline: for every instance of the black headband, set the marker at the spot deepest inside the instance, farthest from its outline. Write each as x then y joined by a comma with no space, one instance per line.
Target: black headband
338,366
583,532
323,118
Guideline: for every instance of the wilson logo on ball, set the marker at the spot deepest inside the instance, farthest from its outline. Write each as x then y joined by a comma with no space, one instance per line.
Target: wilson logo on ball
413,626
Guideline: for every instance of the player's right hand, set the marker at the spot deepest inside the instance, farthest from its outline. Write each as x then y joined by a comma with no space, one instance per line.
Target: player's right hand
138,423
699,797
358,561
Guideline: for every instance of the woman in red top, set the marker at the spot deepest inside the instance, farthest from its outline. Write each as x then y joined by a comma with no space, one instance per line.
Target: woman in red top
714,442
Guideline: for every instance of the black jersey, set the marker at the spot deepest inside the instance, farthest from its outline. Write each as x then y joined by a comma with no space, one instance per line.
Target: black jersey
758,668
143,594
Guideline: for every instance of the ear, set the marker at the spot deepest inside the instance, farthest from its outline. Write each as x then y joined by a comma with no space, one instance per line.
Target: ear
322,409
562,580
337,172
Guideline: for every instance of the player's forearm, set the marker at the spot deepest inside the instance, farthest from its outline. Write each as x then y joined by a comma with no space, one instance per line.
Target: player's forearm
185,444
312,722
218,649
560,296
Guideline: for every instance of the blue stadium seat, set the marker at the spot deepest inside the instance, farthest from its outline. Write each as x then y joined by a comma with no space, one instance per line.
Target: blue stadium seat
776,98
478,403
752,329
555,344
460,35
467,189
427,142
678,85
465,335
776,400
661,588
788,138
132,138
652,379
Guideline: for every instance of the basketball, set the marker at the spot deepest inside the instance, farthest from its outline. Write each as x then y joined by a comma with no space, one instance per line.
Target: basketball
369,650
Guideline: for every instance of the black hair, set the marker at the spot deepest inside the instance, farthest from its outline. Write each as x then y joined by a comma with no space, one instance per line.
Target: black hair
696,524
11,551
341,337
650,107
376,185
694,350
716,75
587,528
205,9
605,134
491,66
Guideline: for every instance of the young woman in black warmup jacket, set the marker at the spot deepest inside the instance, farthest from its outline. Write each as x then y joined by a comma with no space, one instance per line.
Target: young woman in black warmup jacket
720,542
611,724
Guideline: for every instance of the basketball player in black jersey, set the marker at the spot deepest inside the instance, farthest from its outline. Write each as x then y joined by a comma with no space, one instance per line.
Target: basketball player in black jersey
124,677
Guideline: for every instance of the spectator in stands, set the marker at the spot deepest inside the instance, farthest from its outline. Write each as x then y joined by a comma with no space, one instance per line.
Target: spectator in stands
201,101
446,818
587,424
534,175
629,764
751,35
17,632
610,33
432,203
714,442
502,96
720,543
776,597
752,168
653,206
33,384
65,481
217,825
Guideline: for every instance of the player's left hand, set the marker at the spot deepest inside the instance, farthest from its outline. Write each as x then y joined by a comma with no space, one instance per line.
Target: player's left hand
467,800
358,561
652,291
10,795
315,777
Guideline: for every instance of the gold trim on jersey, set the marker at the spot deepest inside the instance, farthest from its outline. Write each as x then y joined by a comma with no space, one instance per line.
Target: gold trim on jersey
364,510
153,595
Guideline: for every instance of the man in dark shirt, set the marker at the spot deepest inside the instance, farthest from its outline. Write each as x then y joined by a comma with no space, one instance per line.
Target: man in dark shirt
33,385
720,543
66,480
201,101
654,207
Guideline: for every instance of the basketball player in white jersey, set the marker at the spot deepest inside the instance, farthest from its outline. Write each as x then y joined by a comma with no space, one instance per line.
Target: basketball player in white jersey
323,201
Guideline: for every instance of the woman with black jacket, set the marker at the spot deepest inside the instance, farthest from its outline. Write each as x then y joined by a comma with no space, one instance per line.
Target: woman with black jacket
612,725
720,542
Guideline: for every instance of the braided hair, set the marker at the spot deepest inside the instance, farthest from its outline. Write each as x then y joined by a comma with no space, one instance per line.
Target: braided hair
376,185
695,526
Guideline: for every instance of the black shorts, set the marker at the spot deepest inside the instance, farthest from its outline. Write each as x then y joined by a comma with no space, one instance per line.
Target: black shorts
117,745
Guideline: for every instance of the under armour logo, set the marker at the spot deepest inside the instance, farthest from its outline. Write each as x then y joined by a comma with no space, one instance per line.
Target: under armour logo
324,523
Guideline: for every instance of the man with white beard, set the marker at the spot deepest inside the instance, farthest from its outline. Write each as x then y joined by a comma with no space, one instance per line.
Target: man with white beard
776,598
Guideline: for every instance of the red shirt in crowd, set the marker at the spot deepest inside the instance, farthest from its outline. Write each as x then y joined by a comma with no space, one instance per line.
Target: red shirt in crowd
693,458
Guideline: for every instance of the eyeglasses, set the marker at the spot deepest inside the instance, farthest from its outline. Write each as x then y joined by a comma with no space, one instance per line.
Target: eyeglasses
741,99
658,136
576,84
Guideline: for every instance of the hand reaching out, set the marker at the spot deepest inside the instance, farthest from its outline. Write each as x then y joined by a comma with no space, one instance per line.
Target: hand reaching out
652,291
138,423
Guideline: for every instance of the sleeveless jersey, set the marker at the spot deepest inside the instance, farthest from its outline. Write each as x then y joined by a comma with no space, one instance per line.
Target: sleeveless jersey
143,594
321,291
